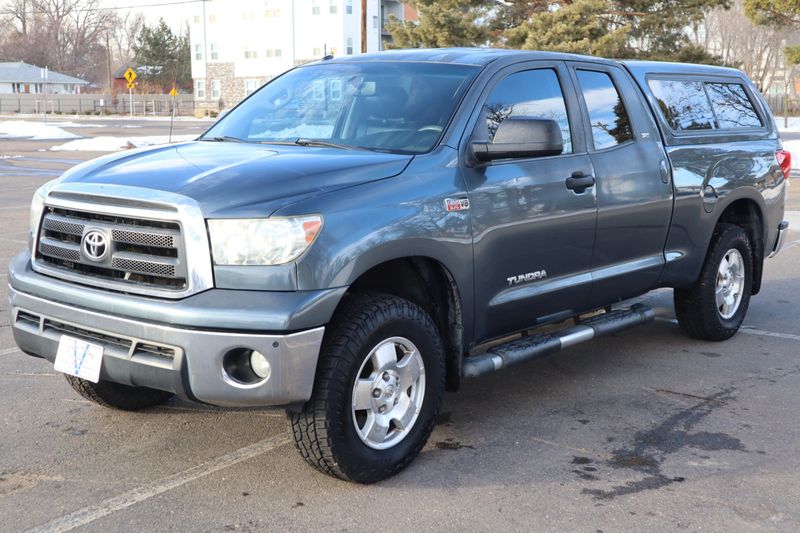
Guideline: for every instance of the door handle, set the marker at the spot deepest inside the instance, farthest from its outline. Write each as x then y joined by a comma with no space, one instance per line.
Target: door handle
579,182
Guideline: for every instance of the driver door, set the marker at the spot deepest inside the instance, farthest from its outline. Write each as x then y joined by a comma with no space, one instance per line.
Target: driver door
532,234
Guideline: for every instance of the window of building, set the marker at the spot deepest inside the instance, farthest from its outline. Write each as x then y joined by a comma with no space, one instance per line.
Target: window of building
216,89
212,19
683,104
374,23
531,93
334,51
248,16
200,89
250,86
607,115
278,52
348,8
212,52
198,52
319,89
315,7
732,107
250,54
333,8
317,52
349,46
336,90
197,19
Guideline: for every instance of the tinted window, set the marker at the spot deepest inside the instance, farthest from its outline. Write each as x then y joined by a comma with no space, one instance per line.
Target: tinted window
607,115
683,104
532,93
732,106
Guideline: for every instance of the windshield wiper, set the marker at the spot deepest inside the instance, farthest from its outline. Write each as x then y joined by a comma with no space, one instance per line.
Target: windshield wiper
315,142
223,138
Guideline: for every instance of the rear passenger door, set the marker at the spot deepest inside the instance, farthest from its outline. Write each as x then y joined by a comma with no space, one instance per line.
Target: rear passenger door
533,235
634,190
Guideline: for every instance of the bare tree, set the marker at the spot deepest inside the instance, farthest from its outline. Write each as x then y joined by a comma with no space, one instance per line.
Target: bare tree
757,50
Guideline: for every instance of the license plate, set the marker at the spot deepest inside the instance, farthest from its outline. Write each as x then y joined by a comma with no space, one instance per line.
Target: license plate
79,358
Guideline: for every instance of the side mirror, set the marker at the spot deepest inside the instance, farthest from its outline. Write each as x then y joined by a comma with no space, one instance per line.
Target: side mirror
521,137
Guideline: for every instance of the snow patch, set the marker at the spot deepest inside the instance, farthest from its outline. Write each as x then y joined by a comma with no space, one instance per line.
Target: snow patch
10,156
306,131
35,131
115,144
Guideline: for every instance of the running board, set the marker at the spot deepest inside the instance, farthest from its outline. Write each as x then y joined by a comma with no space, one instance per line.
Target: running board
533,346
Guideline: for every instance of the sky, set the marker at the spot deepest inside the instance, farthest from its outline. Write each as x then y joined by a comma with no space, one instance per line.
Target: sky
175,14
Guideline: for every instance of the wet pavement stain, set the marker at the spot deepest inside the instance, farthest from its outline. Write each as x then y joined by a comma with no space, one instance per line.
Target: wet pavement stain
452,444
651,447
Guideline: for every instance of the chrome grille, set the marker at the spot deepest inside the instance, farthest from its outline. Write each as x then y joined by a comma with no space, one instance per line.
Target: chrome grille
142,252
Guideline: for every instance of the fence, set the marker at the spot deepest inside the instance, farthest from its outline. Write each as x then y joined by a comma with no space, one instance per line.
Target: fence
97,104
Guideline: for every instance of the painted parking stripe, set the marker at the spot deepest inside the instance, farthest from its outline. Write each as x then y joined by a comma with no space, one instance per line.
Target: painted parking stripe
747,330
89,514
8,351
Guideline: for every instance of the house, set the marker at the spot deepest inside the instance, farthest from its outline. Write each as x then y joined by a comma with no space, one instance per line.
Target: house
22,78
237,47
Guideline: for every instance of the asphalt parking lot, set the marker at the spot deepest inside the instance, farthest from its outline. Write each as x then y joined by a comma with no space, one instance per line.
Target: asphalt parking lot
642,431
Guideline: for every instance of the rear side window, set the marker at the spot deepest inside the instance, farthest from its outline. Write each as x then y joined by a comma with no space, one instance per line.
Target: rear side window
530,93
607,115
683,104
698,105
732,106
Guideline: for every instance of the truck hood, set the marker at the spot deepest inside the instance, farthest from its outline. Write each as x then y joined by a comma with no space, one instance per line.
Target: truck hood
231,179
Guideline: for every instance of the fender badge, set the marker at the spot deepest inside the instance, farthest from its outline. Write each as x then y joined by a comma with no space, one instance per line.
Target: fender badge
456,204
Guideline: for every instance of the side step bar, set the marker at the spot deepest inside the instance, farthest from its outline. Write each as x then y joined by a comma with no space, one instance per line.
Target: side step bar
533,346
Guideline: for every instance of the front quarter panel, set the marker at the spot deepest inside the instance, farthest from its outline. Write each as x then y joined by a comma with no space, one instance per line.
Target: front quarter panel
402,216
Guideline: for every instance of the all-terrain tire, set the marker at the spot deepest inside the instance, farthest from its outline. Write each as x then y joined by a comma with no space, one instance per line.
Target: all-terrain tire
325,431
118,396
696,307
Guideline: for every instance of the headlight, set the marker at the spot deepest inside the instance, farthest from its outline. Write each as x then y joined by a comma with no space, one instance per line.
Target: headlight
262,241
37,205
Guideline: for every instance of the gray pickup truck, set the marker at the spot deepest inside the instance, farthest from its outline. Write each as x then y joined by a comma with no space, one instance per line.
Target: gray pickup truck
363,233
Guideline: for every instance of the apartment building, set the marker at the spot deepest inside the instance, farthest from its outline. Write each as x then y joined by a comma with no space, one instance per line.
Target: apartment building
238,46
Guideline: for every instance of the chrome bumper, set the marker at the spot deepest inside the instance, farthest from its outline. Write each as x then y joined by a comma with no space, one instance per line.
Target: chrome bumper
187,362
783,230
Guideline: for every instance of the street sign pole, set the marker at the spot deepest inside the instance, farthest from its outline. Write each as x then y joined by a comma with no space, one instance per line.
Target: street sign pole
130,97
130,75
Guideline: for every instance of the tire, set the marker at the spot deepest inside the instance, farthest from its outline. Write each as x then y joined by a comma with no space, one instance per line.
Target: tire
698,311
331,432
118,396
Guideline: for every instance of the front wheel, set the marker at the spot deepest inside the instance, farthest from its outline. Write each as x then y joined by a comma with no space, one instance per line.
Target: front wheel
118,396
715,306
377,392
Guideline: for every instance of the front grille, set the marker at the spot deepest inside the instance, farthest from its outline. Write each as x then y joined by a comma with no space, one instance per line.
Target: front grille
142,252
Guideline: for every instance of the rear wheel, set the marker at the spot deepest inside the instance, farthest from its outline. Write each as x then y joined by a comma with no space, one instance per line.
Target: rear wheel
377,392
118,396
715,306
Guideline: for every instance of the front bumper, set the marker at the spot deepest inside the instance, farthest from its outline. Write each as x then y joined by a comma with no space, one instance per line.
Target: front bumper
184,359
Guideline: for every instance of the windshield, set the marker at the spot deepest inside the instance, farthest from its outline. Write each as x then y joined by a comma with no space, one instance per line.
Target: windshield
386,106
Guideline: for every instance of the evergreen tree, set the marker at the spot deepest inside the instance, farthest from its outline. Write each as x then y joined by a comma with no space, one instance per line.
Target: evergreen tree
163,56
776,13
442,23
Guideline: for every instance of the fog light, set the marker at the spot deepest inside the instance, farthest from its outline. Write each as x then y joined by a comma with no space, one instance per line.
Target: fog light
260,365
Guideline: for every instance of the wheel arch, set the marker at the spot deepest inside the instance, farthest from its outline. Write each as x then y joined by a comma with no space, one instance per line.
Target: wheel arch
747,211
428,283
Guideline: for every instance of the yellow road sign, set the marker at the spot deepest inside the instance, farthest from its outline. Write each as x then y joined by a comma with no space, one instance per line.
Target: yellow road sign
173,93
130,75
131,85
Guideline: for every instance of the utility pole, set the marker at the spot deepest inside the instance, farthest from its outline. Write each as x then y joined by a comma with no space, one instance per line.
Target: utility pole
108,67
363,26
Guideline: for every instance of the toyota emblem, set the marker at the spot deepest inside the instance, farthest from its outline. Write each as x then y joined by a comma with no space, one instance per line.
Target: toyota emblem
95,245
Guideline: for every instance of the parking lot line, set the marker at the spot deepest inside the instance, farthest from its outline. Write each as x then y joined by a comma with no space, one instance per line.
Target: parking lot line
8,351
89,514
747,330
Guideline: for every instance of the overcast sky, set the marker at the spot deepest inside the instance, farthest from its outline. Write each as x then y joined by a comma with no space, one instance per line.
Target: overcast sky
176,15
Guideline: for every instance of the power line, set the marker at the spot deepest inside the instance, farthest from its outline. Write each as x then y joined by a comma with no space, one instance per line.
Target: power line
114,8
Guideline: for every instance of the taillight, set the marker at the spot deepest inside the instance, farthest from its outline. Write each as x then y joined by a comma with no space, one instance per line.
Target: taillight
784,158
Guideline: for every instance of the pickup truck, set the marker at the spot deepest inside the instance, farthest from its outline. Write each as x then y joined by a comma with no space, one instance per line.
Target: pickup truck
362,233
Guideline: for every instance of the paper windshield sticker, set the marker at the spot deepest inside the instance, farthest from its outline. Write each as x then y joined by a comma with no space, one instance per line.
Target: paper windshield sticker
78,358
456,204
